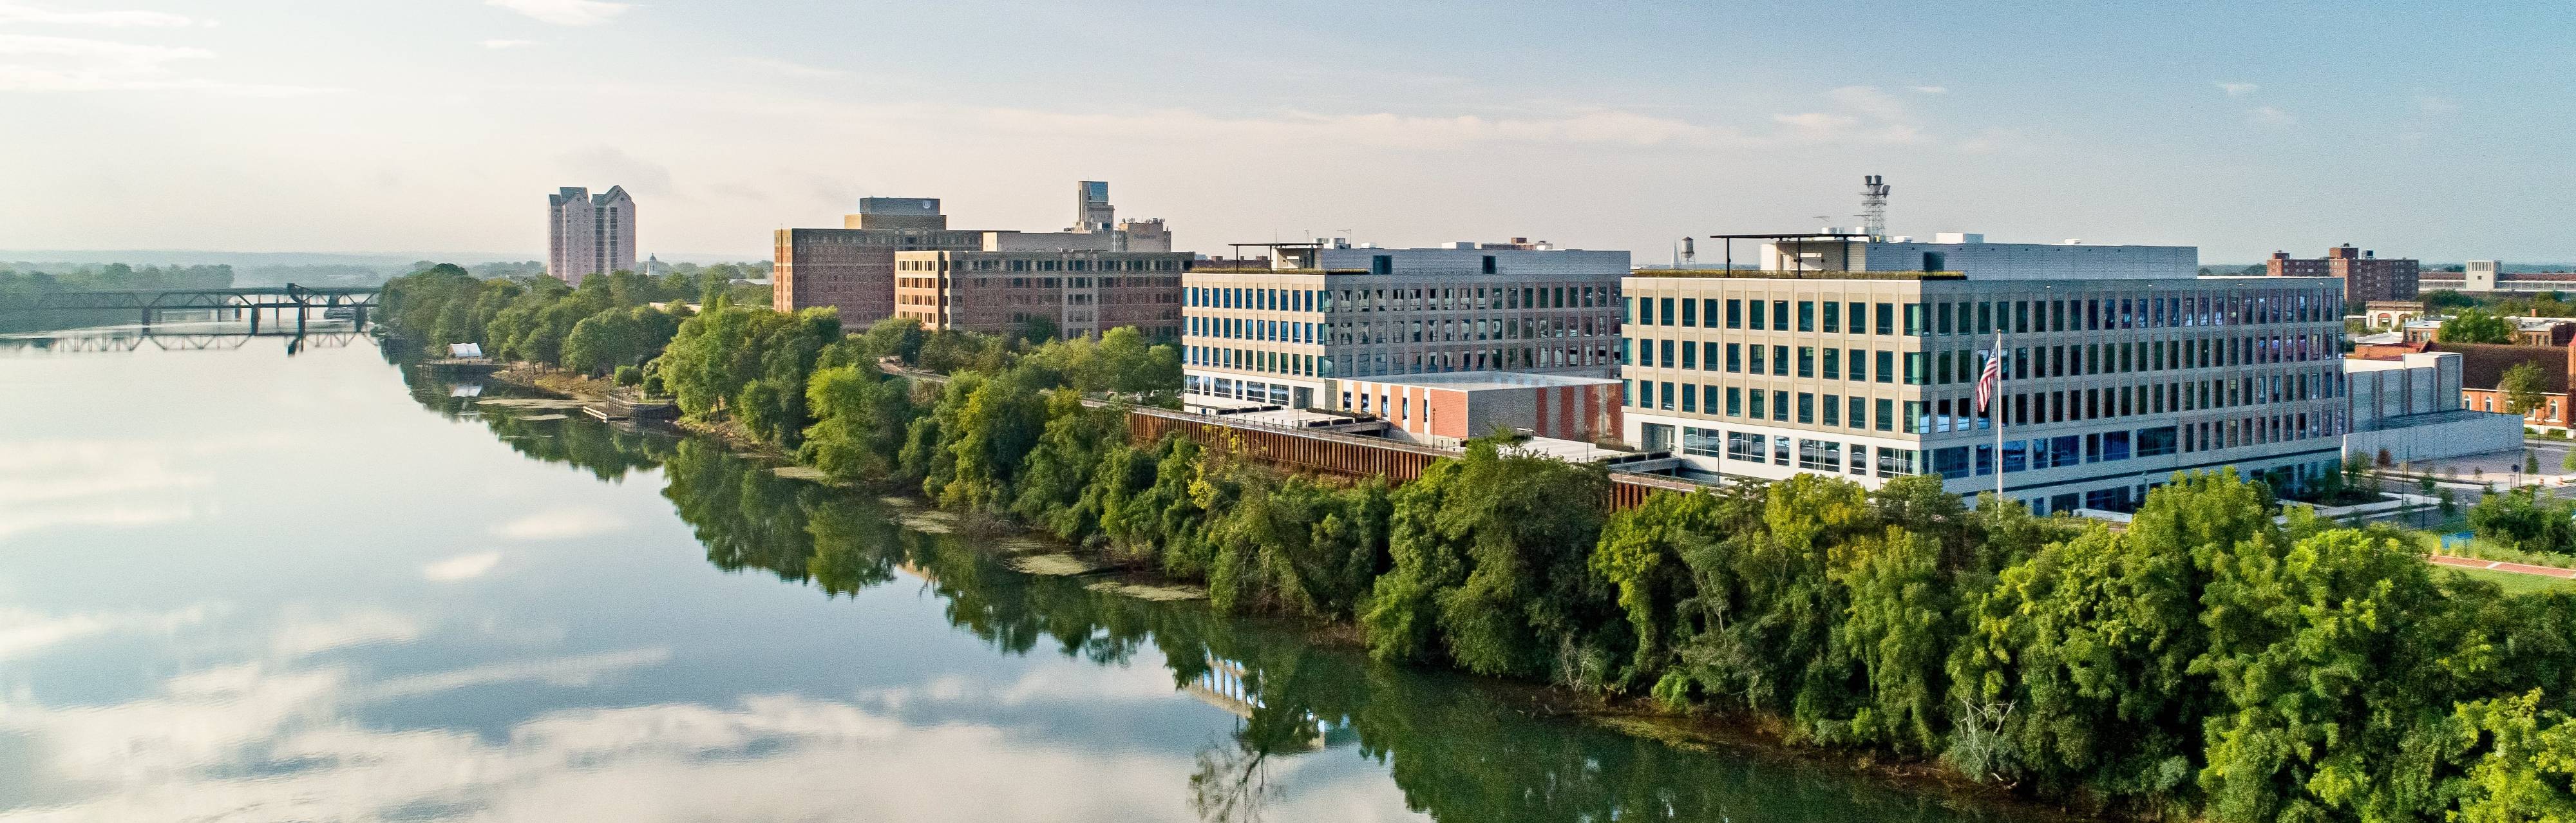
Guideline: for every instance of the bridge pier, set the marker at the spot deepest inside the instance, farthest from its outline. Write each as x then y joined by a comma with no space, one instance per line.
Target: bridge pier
253,311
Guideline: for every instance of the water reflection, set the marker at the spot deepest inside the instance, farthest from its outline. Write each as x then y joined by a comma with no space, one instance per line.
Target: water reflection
517,643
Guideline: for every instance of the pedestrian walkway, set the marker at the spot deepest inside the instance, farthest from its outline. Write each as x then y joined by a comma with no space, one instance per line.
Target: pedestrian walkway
2500,566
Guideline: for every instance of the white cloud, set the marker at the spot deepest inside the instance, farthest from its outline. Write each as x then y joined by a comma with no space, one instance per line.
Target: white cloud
565,12
507,44
93,482
1931,89
559,524
1867,114
2238,89
2430,104
789,69
24,632
565,671
2269,116
20,13
73,64
301,635
461,567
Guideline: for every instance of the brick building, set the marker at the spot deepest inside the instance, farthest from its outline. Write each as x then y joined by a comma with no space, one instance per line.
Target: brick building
1444,409
2482,371
852,267
2366,276
1082,292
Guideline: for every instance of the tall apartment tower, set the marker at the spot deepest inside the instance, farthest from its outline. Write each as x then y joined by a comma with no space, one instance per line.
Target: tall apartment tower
1861,358
589,234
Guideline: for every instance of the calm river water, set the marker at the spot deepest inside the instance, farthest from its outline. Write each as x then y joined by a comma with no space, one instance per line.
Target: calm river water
246,586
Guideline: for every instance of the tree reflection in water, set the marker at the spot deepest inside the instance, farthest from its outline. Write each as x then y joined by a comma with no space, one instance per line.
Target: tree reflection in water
1458,748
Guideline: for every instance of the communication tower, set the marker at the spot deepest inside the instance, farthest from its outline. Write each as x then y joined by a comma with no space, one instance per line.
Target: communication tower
1873,206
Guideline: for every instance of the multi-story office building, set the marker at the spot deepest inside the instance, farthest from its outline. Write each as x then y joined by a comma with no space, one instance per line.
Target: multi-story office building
1859,358
589,234
2365,274
1282,335
1082,293
852,268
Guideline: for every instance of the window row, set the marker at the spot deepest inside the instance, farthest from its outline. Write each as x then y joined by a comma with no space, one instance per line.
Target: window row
1987,316
1941,368
1365,364
1407,299
1809,454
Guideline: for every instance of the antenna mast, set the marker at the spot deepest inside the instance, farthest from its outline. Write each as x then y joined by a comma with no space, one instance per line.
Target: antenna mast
1873,206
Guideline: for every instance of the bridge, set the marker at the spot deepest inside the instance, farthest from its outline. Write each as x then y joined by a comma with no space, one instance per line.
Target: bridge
276,300
133,338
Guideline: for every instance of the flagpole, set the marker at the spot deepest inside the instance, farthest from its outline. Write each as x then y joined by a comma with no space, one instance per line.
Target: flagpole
1995,411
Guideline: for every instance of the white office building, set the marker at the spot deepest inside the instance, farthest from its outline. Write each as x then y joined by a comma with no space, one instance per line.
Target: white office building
1281,332
1858,357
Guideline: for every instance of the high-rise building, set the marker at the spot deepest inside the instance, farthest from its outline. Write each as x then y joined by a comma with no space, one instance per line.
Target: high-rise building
2365,274
589,234
1080,292
1091,209
1857,358
852,268
1285,334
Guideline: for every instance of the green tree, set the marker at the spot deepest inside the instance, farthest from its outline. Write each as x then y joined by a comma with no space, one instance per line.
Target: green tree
1489,570
2524,386
2528,766
2475,326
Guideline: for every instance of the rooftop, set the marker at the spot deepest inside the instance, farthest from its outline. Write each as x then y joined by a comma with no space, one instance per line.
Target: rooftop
1484,380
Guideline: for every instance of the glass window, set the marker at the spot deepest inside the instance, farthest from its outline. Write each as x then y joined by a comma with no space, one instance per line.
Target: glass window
1859,364
1758,325
1859,317
1735,314
1887,367
1806,315
1667,353
1758,404
1833,362
1913,319
1780,315
1757,360
1690,313
1690,399
1806,361
1806,407
1735,357
1859,412
1833,410
1833,317
1886,318
1690,355
1780,405
1734,402
1780,360
1886,415
1665,305
1665,399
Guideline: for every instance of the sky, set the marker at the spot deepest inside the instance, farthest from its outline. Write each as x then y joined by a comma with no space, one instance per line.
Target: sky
2434,130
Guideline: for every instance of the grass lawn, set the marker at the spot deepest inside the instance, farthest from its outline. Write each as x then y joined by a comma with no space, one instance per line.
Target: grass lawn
2513,583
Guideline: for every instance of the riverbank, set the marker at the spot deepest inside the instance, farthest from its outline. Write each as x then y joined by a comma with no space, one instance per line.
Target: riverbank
1735,734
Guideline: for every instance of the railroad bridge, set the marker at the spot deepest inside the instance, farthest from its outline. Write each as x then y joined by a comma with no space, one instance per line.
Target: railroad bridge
277,301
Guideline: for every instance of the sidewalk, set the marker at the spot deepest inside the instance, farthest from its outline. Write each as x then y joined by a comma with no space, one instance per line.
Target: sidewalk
2499,566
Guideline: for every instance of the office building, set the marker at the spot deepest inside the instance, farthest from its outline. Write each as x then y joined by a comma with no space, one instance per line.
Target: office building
1283,334
2411,406
1083,293
2366,275
2490,276
852,267
1860,358
589,234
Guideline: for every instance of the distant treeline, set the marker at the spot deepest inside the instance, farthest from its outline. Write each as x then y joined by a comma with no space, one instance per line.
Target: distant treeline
2206,662
21,285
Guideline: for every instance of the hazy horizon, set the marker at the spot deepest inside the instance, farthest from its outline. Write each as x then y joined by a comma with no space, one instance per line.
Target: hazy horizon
356,128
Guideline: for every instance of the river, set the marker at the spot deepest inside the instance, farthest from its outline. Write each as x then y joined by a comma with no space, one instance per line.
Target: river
248,586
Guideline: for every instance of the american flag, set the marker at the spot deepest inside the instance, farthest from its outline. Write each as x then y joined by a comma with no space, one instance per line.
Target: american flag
1988,379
